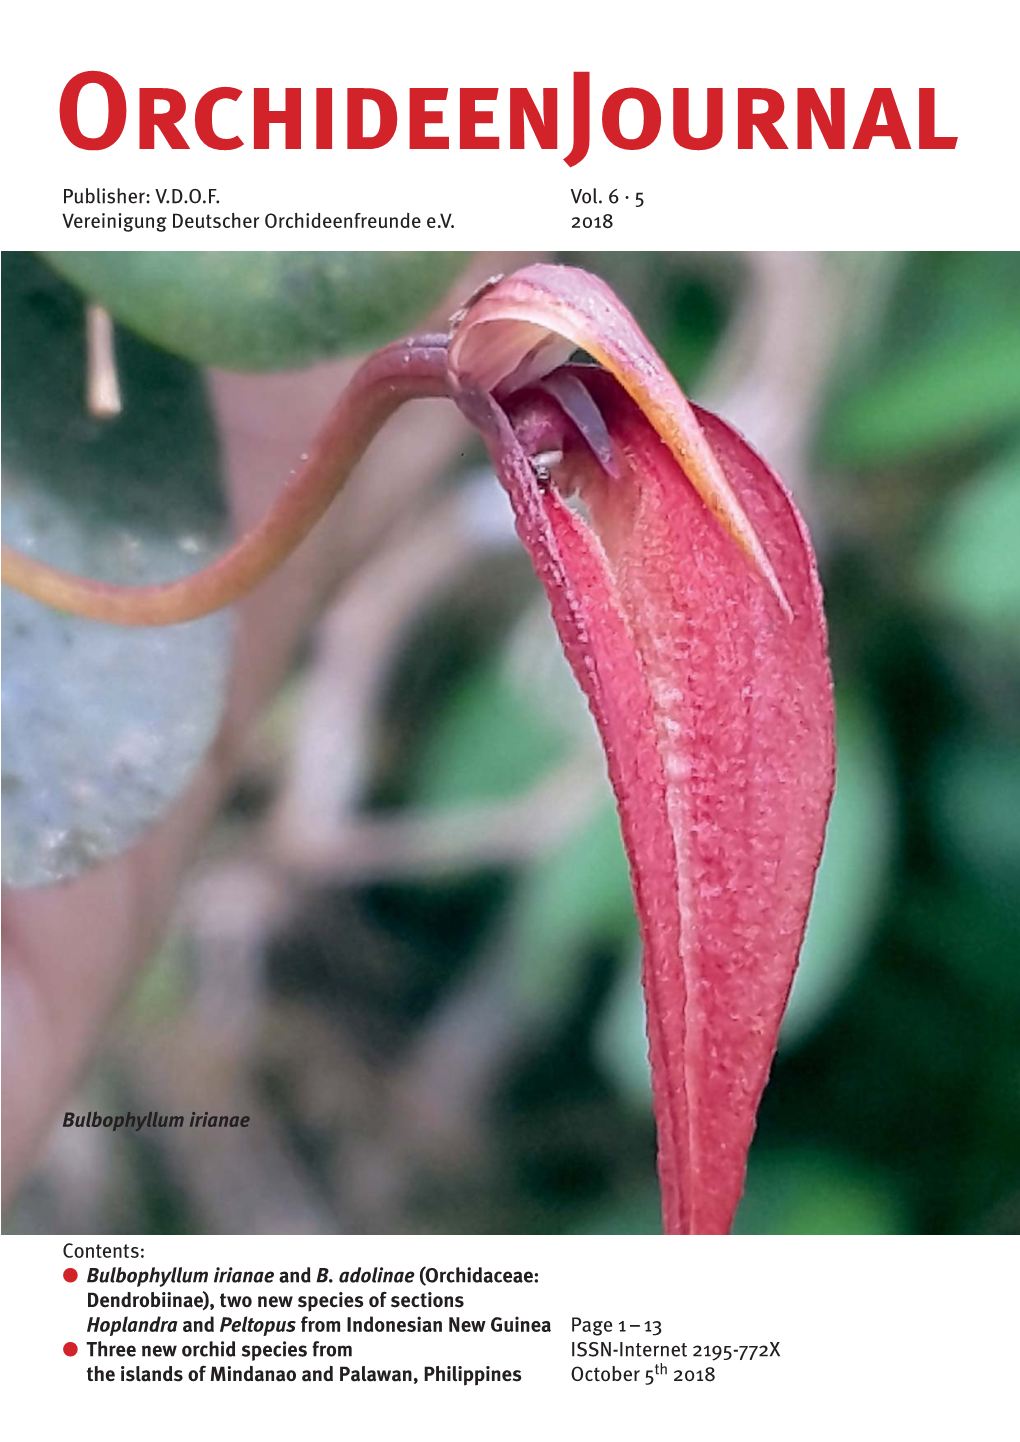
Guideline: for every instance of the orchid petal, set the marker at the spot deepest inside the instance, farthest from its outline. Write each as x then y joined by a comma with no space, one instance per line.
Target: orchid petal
527,324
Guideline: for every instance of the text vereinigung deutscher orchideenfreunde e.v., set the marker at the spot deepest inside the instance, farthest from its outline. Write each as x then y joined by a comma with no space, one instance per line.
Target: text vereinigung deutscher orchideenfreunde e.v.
271,220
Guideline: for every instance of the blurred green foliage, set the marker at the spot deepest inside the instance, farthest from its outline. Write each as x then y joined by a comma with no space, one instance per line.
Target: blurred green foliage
895,1098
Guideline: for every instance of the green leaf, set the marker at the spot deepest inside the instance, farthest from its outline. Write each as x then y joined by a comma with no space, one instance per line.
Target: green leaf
102,726
621,1037
571,901
853,876
955,390
975,794
971,566
262,310
814,1193
488,743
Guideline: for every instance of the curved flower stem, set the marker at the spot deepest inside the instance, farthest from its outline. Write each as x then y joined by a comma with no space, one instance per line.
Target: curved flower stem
407,370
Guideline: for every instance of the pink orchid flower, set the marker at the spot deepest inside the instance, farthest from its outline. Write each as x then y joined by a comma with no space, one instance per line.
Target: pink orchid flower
684,589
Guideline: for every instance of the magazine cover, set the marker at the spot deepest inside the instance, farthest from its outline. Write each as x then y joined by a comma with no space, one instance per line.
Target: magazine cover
511,721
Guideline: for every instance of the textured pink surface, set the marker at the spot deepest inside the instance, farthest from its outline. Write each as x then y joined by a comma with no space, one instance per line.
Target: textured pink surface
708,677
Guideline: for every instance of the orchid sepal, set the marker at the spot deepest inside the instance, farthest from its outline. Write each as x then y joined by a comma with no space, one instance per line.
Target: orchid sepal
707,677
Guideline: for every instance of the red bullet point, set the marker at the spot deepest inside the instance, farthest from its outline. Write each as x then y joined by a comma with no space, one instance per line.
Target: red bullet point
70,1275
70,1349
